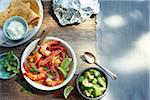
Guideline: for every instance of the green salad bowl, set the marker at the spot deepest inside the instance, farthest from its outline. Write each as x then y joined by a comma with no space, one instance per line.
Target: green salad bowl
3,73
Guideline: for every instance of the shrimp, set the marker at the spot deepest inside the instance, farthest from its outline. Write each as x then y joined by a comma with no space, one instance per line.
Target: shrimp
47,59
46,45
25,66
57,80
37,77
51,82
36,56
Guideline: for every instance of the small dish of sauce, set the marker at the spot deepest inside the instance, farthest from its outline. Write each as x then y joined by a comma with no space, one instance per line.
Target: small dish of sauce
15,28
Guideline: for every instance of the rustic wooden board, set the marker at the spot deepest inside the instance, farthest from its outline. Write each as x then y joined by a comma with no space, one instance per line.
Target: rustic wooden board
81,37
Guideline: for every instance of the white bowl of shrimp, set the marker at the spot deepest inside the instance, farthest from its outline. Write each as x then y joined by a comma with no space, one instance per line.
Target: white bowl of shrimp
51,66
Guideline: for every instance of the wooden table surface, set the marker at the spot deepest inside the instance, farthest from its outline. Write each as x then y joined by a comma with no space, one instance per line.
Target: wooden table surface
81,37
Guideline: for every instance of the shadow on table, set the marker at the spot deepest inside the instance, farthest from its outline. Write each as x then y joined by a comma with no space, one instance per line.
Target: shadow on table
26,87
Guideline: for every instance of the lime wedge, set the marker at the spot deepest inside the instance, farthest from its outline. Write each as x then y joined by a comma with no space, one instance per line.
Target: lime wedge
62,71
65,63
67,91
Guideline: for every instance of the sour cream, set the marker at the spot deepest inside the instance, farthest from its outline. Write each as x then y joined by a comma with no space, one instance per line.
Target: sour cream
15,30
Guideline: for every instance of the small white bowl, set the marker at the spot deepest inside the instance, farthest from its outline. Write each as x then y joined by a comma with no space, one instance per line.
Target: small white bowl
71,53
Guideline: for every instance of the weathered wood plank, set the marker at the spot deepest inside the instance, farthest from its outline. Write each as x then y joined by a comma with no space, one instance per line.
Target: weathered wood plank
81,37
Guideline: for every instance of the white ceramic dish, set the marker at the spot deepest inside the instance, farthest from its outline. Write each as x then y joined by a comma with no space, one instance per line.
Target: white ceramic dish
71,53
4,42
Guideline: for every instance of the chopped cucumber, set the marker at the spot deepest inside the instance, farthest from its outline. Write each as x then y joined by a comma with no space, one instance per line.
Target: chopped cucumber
103,78
86,93
91,77
92,95
89,85
95,72
87,74
94,81
103,88
82,87
90,90
86,83
101,81
93,84
81,78
97,90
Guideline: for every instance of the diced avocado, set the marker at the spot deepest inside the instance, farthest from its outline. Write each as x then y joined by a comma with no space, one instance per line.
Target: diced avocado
86,93
103,88
90,90
95,72
101,81
91,95
90,80
82,87
92,71
81,79
86,83
94,81
87,74
91,77
103,78
97,90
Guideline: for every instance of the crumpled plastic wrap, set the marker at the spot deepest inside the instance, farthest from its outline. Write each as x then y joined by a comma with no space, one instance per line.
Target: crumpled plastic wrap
74,11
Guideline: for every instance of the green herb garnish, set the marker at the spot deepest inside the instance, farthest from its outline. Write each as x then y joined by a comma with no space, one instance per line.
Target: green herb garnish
34,69
49,75
45,68
10,64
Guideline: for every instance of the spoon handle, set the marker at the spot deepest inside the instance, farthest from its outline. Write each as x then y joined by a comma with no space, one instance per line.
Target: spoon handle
111,74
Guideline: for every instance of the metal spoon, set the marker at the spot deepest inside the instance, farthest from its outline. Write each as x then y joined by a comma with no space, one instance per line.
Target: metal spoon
90,58
42,38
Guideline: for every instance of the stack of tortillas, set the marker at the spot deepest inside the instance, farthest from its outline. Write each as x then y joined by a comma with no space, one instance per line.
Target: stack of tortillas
28,9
